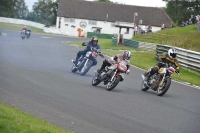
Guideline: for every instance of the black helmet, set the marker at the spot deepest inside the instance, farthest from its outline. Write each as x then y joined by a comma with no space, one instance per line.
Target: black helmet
94,38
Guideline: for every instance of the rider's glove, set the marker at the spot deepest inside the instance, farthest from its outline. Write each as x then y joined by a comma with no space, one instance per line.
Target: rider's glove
102,55
162,63
177,71
115,58
127,72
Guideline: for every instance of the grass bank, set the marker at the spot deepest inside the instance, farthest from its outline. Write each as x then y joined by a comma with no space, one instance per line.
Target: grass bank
184,37
18,27
144,60
15,121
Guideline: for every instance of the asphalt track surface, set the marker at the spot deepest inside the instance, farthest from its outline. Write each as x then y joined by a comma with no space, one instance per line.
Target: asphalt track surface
36,77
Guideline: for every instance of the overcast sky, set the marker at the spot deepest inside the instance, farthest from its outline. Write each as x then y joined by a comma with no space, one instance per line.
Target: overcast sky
151,3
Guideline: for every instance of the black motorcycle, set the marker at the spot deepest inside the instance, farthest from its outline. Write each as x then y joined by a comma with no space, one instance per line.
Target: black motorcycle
84,63
159,82
25,34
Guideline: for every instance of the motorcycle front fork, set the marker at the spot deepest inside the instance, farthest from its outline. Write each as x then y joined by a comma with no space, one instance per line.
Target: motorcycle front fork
113,75
85,63
161,83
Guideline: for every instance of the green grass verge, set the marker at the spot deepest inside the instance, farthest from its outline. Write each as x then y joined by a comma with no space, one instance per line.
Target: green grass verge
184,37
18,27
144,60
15,121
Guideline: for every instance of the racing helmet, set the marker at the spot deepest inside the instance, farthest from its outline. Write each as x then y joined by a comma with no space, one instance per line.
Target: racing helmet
126,55
94,39
172,53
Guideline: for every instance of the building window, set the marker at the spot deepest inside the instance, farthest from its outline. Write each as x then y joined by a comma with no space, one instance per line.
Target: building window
112,24
127,31
69,20
91,22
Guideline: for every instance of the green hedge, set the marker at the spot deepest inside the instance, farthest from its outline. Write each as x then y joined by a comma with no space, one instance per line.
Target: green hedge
107,36
131,43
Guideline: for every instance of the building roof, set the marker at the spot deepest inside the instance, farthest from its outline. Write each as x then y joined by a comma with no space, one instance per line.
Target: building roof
104,11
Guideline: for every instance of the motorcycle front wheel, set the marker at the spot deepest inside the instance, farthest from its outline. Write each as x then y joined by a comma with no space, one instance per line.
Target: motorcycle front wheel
164,88
86,68
95,81
112,84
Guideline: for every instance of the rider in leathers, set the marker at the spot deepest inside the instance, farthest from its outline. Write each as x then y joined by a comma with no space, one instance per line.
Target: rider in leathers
126,55
93,43
168,58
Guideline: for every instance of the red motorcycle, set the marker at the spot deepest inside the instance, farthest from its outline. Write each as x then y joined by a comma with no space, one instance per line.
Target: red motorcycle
111,75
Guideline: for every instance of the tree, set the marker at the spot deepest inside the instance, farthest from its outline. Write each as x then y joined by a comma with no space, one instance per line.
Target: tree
7,8
46,11
182,10
21,10
104,0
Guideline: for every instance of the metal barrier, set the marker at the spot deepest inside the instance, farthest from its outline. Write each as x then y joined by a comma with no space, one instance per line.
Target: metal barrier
198,26
187,58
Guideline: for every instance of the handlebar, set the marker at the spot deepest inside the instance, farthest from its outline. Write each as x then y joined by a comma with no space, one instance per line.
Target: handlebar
98,51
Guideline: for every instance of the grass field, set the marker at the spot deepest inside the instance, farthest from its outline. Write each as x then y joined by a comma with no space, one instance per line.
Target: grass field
15,121
184,37
18,27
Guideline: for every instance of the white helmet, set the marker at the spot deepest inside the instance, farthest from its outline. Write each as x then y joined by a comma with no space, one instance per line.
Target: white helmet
172,53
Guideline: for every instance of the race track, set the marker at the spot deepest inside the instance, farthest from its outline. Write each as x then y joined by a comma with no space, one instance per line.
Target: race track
36,77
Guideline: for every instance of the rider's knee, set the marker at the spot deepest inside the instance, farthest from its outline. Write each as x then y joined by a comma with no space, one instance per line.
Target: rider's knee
79,53
154,69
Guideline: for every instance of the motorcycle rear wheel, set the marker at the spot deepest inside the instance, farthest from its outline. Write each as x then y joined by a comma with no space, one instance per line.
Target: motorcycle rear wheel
162,90
111,85
144,87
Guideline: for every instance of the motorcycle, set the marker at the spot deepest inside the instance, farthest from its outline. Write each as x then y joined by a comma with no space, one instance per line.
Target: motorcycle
86,62
25,34
111,75
159,82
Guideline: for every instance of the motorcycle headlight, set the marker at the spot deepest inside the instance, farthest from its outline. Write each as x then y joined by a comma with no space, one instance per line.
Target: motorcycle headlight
88,54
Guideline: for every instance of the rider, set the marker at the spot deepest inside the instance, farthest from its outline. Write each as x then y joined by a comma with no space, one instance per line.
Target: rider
92,43
126,55
168,58
24,28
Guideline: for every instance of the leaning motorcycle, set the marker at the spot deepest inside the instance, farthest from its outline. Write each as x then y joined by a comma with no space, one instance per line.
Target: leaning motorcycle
159,82
25,34
86,62
111,75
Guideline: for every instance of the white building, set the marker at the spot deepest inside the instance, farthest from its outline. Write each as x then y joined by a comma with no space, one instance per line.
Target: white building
106,18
